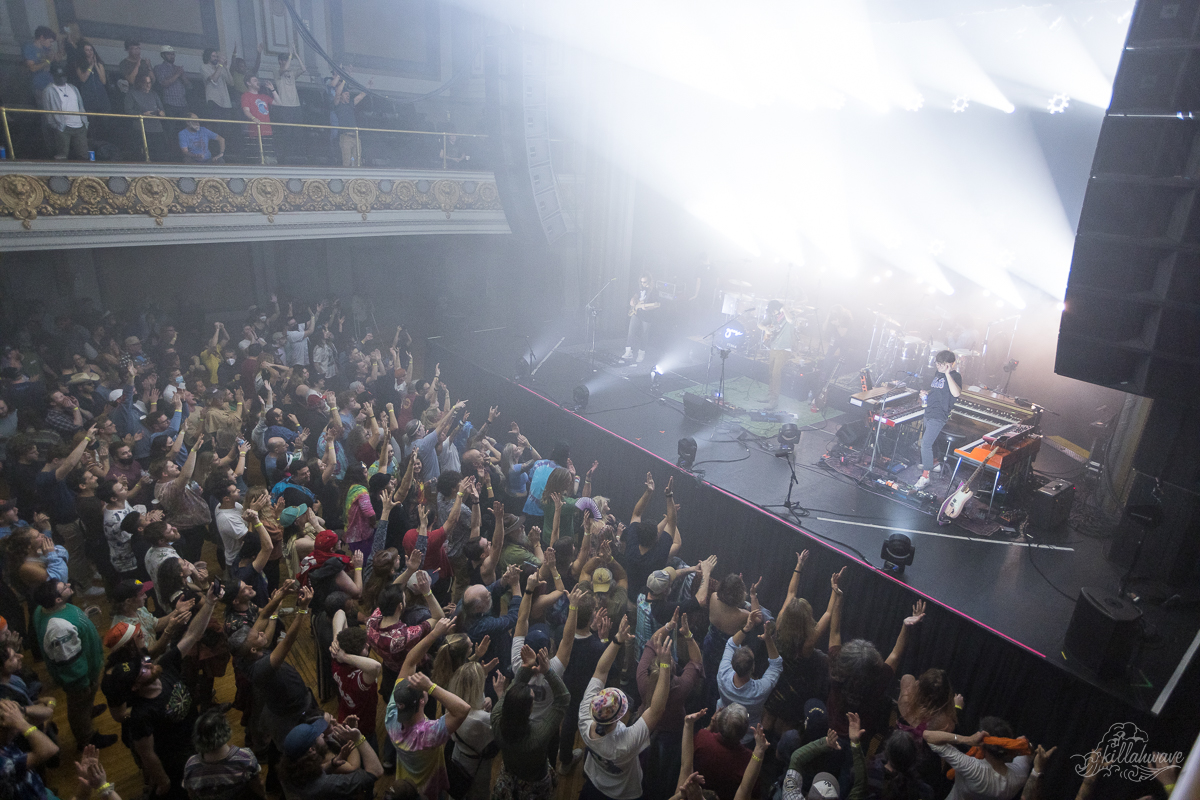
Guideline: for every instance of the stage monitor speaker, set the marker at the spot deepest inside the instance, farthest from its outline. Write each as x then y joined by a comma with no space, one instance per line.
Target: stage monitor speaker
516,111
1050,506
853,434
700,409
1103,633
1132,307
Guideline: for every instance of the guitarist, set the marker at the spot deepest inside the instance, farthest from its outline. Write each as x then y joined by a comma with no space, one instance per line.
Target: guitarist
944,389
779,337
641,306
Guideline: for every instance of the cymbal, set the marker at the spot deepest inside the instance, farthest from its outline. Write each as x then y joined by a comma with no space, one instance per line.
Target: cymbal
739,284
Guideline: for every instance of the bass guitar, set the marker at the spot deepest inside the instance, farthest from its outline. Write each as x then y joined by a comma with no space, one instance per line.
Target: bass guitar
953,506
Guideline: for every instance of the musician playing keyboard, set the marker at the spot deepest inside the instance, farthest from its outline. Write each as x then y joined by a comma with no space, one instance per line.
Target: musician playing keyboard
944,389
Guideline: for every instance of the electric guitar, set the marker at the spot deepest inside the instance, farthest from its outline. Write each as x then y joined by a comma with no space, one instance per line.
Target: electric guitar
957,501
819,403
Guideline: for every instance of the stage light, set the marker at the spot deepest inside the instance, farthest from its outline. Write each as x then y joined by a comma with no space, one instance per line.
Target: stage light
1058,104
523,368
581,395
875,279
887,274
658,369
1061,307
960,104
687,453
788,438
656,382
898,552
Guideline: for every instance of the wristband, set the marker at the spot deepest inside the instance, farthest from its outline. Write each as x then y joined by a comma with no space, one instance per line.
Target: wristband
358,569
105,788
29,730
664,666
1168,787
432,686
51,703
360,742
302,611
687,636
572,608
755,757
427,594
1033,773
274,616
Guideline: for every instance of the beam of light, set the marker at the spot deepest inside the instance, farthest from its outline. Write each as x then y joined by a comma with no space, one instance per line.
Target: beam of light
1037,47
936,58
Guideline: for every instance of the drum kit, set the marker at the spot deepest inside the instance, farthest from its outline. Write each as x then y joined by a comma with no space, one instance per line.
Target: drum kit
898,353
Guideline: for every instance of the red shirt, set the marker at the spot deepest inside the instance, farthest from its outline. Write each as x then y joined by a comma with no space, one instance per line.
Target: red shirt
721,765
435,552
356,696
259,106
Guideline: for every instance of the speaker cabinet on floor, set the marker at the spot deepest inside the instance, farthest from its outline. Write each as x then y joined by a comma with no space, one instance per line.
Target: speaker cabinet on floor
1103,634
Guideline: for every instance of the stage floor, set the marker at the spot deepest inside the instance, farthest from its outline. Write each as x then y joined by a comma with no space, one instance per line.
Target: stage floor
1020,590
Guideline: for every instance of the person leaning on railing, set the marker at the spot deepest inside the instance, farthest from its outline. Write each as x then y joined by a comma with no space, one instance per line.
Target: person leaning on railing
193,142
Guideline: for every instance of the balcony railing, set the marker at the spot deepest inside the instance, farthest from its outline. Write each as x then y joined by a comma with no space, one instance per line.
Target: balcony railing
226,124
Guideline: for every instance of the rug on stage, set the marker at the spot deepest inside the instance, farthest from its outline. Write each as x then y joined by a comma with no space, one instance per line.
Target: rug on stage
748,396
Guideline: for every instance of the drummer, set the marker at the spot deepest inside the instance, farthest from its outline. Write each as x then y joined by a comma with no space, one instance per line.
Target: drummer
944,389
962,335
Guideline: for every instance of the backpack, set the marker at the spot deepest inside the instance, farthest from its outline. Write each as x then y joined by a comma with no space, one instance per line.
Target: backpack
60,642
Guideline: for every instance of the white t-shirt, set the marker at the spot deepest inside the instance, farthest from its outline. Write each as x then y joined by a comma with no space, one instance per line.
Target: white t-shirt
974,778
155,557
69,101
233,530
612,760
296,349
543,697
476,732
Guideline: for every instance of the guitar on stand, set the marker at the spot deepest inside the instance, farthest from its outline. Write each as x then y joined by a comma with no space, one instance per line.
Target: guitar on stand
953,506
823,397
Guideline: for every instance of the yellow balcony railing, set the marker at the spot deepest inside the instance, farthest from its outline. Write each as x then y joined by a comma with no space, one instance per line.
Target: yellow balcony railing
226,123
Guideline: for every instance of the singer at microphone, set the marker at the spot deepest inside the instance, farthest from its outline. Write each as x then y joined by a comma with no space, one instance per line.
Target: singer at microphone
944,389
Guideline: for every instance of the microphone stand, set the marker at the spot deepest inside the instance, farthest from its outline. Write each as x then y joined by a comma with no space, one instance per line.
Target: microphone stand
593,324
713,346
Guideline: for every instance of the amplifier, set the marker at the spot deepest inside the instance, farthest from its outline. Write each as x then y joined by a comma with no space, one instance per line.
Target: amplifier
701,409
1103,634
1050,506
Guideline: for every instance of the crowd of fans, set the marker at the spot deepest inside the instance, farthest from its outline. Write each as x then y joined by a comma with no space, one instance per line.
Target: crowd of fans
488,623
67,76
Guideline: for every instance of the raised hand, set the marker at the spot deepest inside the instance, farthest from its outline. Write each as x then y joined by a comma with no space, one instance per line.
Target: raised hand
481,648
649,482
801,560
835,582
692,719
499,684
917,615
543,661
423,583
528,657
855,726
831,739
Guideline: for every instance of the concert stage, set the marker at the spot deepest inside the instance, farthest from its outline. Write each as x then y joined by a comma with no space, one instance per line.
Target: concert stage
1017,591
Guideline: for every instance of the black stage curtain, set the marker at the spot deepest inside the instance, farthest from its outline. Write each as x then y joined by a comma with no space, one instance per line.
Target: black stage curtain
996,677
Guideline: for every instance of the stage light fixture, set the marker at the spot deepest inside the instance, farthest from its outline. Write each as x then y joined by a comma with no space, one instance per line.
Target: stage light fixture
656,382
523,368
1061,307
898,552
961,104
687,453
1058,104
581,395
788,438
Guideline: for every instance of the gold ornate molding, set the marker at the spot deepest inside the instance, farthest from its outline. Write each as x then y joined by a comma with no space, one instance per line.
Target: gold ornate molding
26,197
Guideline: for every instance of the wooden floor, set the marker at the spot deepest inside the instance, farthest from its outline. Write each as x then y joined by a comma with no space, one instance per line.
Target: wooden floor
119,763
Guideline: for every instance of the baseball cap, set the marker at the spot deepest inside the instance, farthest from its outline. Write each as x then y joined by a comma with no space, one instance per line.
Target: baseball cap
289,515
602,580
538,637
115,395
130,341
130,587
166,48
824,787
609,705
660,580
303,736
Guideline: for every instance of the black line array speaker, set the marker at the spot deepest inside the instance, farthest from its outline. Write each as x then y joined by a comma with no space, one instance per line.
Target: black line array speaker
518,125
1132,317
1103,633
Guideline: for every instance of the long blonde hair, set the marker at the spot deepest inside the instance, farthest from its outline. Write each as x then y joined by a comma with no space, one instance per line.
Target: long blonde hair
455,650
795,627
468,682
